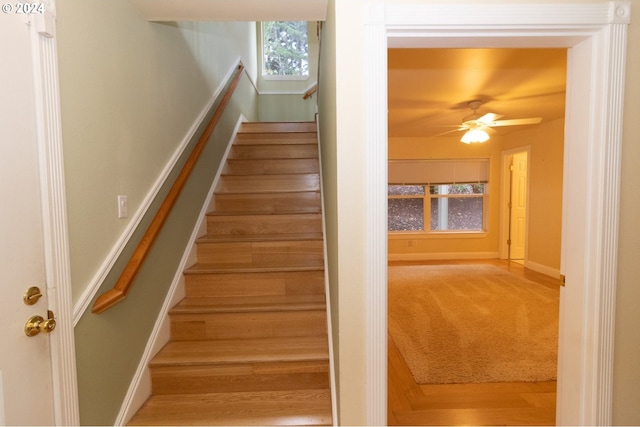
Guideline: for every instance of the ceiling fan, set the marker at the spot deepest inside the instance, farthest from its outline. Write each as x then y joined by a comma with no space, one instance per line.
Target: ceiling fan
477,127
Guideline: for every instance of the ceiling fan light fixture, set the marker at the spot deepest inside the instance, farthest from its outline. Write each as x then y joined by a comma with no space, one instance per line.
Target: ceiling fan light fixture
474,136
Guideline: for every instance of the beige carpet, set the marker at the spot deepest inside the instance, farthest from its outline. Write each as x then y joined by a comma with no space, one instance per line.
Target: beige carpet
473,324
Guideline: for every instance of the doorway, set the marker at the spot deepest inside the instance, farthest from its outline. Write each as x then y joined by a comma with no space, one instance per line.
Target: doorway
409,398
44,365
592,162
515,204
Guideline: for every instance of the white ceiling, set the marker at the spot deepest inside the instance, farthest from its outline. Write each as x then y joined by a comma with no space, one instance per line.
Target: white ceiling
429,88
232,10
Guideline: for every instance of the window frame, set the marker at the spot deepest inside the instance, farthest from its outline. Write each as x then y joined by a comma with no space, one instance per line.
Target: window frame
427,198
280,77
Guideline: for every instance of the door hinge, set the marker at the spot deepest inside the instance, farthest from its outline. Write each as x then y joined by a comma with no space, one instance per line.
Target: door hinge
508,241
563,280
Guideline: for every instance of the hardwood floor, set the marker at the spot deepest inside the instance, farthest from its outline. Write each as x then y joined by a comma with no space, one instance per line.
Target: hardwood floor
410,403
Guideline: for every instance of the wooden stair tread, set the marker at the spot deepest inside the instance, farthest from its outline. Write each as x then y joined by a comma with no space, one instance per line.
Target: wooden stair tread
276,145
270,166
260,237
307,201
256,184
276,138
202,268
263,214
254,350
249,304
253,266
265,265
267,127
266,194
273,193
304,151
273,177
287,407
274,151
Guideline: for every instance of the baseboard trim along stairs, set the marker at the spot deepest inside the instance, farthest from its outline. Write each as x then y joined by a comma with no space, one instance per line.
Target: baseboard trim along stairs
249,342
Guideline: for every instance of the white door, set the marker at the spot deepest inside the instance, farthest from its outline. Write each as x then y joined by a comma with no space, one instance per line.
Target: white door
518,205
26,395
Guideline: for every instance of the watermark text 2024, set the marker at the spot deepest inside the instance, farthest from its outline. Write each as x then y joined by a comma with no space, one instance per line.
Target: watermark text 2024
22,8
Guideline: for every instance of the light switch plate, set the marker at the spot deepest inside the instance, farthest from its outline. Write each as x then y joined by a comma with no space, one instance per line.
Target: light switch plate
123,207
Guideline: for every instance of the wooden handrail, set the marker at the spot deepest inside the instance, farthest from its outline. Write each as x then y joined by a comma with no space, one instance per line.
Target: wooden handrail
310,91
123,285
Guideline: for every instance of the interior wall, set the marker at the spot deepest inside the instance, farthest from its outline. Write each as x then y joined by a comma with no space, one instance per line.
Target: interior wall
286,108
130,92
351,203
327,128
417,246
626,371
545,166
342,131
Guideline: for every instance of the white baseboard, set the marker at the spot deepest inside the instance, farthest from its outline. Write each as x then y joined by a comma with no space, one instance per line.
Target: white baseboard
543,269
94,284
442,256
140,387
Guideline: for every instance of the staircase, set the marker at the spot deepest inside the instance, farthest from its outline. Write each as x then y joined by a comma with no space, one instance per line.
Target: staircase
249,341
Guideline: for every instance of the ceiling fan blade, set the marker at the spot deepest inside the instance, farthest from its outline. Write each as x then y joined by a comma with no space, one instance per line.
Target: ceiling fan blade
514,122
447,132
489,130
489,118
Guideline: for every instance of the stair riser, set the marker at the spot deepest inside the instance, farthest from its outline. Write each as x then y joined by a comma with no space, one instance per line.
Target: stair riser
241,225
268,183
307,151
268,203
254,284
215,326
276,138
305,253
270,167
240,377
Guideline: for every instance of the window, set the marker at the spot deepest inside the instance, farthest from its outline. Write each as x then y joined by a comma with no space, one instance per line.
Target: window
285,49
446,205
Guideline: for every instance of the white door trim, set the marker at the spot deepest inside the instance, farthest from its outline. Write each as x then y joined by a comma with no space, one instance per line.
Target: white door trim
595,34
54,214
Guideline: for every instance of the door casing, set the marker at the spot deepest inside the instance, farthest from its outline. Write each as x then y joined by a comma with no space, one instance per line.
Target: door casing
595,36
54,214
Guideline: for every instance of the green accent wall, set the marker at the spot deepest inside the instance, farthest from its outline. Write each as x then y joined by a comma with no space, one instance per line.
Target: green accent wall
131,91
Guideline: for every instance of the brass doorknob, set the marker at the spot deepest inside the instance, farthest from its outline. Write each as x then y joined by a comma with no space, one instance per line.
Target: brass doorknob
37,324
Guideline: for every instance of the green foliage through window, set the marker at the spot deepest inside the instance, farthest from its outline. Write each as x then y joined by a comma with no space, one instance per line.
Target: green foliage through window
285,48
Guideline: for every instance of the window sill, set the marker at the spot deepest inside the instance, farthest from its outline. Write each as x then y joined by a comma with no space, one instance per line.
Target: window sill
284,78
417,235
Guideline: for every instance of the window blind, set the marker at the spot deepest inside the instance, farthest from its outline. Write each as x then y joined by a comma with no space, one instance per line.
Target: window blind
440,171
